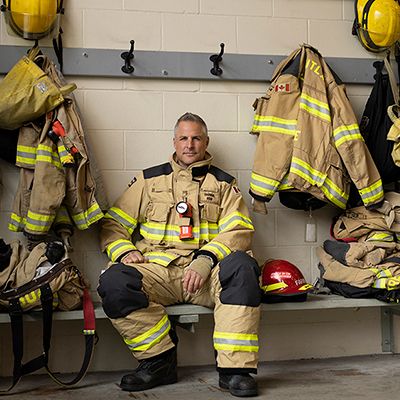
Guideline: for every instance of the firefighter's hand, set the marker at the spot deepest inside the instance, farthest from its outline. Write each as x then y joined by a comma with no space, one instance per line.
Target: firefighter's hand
196,274
134,257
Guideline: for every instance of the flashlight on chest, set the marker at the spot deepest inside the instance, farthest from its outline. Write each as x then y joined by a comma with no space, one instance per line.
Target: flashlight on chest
185,213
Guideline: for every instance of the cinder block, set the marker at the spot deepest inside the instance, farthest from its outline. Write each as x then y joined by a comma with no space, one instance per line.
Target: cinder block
237,7
309,9
116,182
119,27
206,33
173,6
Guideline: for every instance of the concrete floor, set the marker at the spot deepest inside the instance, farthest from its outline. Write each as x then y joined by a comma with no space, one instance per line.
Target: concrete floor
364,377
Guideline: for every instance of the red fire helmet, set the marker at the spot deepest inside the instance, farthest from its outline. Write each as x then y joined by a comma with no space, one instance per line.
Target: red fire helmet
280,277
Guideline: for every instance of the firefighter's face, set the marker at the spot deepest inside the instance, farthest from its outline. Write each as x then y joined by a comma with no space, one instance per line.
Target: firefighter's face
190,143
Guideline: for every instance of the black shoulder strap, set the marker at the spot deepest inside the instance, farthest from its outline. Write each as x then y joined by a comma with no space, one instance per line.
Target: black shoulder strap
16,316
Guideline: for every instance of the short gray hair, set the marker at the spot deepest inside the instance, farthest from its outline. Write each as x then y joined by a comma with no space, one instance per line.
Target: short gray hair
188,116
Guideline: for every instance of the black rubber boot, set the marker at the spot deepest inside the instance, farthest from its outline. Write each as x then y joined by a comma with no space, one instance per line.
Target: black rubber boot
152,372
240,385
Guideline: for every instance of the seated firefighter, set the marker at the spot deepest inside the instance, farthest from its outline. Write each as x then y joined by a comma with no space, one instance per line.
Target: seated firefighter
195,234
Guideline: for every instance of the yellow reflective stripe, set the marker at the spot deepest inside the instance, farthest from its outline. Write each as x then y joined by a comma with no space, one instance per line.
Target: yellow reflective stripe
233,219
16,223
217,248
124,219
381,236
89,331
86,218
46,154
372,192
274,286
305,287
265,186
62,216
38,222
26,155
235,341
315,107
274,124
118,247
151,337
160,258
331,191
345,133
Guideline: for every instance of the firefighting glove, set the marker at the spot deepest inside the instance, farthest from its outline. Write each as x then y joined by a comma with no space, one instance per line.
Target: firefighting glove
259,207
55,251
202,265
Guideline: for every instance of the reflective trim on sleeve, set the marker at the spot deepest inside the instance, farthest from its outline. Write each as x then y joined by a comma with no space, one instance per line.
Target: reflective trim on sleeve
274,124
151,337
86,218
266,187
372,193
38,223
26,156
124,219
315,107
217,248
62,216
47,155
235,342
345,133
16,223
119,247
233,219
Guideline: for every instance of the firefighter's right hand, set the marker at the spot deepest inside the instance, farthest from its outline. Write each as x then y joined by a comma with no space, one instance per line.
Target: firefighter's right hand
134,257
196,274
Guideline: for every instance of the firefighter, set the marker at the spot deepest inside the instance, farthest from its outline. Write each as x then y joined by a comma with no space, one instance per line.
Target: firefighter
195,238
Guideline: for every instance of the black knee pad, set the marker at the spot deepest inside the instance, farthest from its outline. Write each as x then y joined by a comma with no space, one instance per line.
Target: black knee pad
239,276
120,288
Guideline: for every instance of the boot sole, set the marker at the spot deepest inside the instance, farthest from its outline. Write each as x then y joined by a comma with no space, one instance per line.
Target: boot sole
239,392
137,388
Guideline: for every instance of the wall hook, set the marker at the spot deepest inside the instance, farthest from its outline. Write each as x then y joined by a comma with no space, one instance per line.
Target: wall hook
128,56
216,59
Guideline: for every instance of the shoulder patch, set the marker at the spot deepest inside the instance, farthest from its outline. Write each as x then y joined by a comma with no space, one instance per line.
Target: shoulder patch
220,175
132,182
158,170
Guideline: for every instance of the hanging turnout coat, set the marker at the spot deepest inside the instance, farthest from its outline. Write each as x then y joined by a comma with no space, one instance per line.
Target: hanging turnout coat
309,138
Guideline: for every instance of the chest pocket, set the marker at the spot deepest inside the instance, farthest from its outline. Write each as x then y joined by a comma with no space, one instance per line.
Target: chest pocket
157,216
210,210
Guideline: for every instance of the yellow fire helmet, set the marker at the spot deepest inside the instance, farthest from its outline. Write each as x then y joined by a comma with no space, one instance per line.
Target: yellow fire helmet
32,19
377,23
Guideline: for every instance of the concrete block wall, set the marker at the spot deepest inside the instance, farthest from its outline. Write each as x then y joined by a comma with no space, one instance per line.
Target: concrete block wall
129,125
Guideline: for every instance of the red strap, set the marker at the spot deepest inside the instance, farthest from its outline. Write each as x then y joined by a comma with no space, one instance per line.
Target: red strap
88,313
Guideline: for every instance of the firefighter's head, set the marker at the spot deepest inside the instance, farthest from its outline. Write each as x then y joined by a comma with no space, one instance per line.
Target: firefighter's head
190,139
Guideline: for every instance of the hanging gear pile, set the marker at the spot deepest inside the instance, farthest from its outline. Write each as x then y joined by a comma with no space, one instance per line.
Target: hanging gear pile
56,187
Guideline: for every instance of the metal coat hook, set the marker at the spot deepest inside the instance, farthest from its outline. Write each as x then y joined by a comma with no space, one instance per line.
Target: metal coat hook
128,56
216,59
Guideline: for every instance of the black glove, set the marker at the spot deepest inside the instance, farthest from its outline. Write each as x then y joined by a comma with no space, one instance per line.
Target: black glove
55,251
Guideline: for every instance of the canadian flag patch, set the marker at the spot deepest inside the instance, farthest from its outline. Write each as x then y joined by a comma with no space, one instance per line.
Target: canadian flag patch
282,87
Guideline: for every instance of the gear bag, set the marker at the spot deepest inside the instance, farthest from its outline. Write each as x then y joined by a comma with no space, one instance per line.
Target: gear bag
375,122
43,279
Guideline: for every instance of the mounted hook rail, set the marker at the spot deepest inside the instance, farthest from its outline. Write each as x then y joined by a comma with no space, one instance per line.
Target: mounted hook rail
128,56
216,59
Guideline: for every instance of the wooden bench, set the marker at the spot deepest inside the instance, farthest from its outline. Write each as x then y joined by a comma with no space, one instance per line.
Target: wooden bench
186,315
